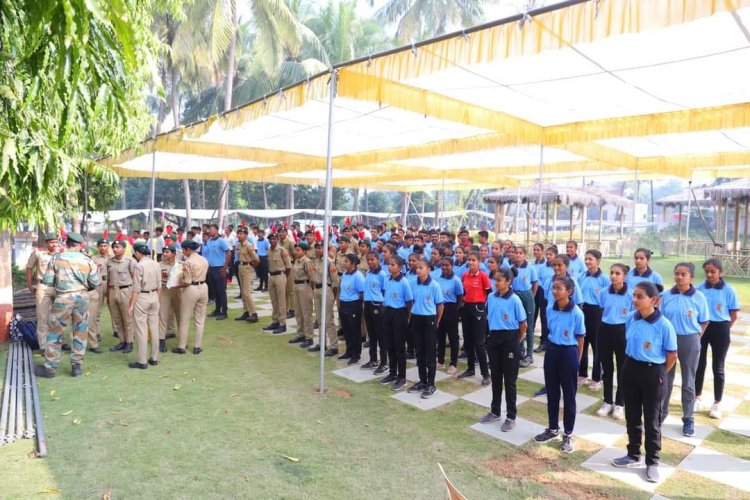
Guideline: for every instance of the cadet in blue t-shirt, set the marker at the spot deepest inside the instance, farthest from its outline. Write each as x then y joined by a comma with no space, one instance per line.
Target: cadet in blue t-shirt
423,323
576,266
616,304
460,263
591,283
507,320
352,288
397,301
722,311
686,308
564,349
642,272
538,263
453,294
561,268
436,263
411,278
524,286
373,311
545,274
651,347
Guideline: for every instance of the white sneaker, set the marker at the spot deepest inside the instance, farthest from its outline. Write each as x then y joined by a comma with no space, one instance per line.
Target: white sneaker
715,411
619,413
582,380
595,386
697,405
605,410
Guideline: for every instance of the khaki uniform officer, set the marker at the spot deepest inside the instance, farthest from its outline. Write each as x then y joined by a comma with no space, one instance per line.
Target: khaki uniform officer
302,275
120,273
288,244
36,267
194,296
279,266
248,261
144,306
97,295
169,298
318,290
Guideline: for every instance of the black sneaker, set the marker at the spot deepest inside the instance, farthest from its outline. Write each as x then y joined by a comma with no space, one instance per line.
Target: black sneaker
345,356
271,327
418,387
353,361
289,314
489,418
547,435
428,392
162,345
197,350
463,355
380,370
253,318
95,350
297,340
307,343
541,392
76,370
541,348
466,374
128,348
369,365
626,462
387,379
278,331
221,317
331,352
118,347
243,317
315,348
399,384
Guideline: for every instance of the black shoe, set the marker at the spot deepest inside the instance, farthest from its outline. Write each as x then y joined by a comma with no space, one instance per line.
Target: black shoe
410,355
541,347
429,391
307,343
315,348
387,379
399,384
140,366
197,350
352,361
65,347
214,314
128,347
271,327
289,314
170,336
298,339
95,350
331,352
238,297
547,435
162,346
278,331
253,318
345,356
152,362
463,355
98,337
76,370
41,371
370,365
244,316
118,347
418,387
316,326
381,369
115,335
541,392
364,341
466,374
221,316
178,350
259,289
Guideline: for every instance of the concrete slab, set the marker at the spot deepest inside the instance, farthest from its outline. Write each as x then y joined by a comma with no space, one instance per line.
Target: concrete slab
523,433
672,429
439,399
483,397
601,462
718,466
356,374
533,375
412,374
598,430
736,423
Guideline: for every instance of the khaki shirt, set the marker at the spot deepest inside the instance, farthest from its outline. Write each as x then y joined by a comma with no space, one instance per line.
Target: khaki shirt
247,253
147,276
302,269
120,273
39,259
278,259
288,245
101,267
317,276
164,269
363,267
340,260
194,269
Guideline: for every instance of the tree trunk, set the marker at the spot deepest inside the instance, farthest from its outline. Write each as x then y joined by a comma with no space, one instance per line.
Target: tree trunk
6,284
223,191
355,200
229,89
203,195
124,198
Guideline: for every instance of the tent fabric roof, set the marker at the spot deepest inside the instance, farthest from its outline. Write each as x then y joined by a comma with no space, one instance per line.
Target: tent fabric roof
608,88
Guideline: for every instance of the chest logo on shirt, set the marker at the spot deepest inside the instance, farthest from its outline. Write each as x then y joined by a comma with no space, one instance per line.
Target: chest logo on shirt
718,307
689,313
428,299
394,296
505,317
447,293
596,292
566,333
647,345
624,312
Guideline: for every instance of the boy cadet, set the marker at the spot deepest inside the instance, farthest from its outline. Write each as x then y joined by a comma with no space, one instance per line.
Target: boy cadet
144,306
302,275
332,342
120,272
37,267
72,274
279,267
97,295
169,299
288,244
248,261
194,297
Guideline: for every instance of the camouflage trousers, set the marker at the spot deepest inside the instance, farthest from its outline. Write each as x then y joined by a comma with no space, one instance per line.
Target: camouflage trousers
67,307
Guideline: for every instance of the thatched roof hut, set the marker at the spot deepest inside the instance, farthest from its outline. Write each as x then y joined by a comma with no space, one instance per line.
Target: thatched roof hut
737,191
675,200
581,197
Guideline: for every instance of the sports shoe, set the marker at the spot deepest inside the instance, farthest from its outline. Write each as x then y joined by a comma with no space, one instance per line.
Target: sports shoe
466,374
278,331
524,362
307,343
568,445
715,411
618,413
547,435
652,473
429,391
697,405
271,327
595,385
253,318
440,366
486,380
508,425
297,340
489,418
605,410
388,379
369,365
541,392
541,347
451,370
418,387
381,369
399,384
582,380
688,427
626,462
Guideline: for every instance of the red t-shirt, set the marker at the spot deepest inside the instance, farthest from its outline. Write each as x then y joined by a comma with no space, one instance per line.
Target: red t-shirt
475,286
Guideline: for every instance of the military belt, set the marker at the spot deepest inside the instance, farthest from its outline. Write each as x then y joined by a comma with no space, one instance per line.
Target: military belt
301,282
196,283
275,273
124,286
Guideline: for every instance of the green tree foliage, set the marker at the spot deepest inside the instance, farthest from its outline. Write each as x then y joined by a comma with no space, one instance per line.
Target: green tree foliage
420,19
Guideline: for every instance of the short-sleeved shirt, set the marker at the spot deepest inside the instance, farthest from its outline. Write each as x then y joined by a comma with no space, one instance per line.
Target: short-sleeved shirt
505,312
71,272
411,278
460,269
686,311
352,286
451,287
475,287
616,305
147,276
164,269
194,269
120,272
545,274
278,259
375,285
633,278
538,265
649,339
722,299
591,286
262,246
577,296
302,270
215,251
427,296
525,279
397,292
246,253
565,324
39,260
101,268
576,267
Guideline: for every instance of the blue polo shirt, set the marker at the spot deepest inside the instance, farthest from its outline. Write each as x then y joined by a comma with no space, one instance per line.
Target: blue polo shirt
436,272
375,285
352,286
577,297
405,252
397,292
262,246
649,339
545,273
576,267
686,311
538,265
616,306
451,287
214,250
505,312
565,324
591,285
427,296
633,278
411,278
460,269
526,278
721,298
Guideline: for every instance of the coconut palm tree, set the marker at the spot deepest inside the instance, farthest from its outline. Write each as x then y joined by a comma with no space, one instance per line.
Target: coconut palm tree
419,19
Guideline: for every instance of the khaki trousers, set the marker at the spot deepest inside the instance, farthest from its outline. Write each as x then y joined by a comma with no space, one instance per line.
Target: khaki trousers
290,292
331,337
277,290
303,309
119,300
146,318
96,299
169,308
247,273
45,295
193,302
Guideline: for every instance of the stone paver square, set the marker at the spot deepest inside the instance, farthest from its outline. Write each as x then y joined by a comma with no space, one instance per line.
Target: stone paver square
356,374
412,374
672,429
533,375
525,431
235,305
717,466
605,432
602,462
736,423
483,397
439,399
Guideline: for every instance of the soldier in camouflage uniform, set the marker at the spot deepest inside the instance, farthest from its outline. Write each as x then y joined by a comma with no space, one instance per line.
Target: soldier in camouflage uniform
72,274
37,268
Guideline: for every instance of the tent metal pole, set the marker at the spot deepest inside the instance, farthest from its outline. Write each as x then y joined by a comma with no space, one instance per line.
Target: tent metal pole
153,188
744,233
326,228
539,200
687,222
